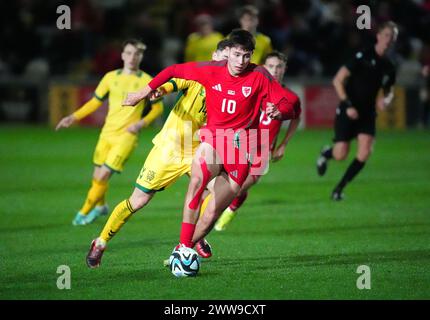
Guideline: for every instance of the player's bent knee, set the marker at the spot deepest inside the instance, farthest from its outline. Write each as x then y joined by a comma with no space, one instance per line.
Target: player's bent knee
139,203
102,174
139,199
364,155
340,155
340,151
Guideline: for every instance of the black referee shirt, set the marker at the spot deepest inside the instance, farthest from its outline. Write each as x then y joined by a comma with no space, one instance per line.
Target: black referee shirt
369,73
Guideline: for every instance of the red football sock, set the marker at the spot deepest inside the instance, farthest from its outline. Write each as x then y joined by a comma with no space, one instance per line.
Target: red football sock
187,232
238,201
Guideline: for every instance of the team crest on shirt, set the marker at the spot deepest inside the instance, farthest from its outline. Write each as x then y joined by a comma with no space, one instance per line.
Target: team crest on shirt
246,91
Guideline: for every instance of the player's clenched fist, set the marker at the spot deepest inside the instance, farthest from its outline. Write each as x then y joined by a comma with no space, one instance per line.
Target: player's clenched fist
272,111
352,113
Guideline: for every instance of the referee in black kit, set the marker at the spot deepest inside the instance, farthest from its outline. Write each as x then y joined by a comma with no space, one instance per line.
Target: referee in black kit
357,84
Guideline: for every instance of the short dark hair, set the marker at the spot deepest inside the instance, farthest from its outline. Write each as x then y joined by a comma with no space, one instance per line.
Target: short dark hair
242,38
277,54
223,44
248,9
136,43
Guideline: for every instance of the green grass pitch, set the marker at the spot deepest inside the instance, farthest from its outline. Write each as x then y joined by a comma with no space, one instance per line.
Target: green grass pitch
288,242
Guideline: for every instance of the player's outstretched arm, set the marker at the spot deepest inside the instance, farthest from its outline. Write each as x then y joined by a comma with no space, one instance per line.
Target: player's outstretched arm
187,71
65,122
134,98
88,108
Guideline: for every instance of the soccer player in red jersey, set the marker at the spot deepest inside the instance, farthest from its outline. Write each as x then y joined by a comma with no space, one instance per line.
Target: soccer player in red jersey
236,90
276,63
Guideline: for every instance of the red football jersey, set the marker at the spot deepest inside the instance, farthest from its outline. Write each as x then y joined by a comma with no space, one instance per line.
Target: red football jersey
231,102
274,125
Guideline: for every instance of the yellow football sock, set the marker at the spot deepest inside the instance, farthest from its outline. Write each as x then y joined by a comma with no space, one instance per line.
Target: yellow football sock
225,219
95,194
205,204
118,217
101,202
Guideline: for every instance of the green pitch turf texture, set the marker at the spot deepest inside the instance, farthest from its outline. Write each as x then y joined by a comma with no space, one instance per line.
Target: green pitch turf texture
290,241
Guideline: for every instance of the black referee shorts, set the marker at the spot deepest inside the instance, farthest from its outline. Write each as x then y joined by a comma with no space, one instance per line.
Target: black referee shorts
346,129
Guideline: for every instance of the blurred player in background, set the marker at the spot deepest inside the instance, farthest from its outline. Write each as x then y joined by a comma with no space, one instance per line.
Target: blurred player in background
276,63
235,92
357,84
201,44
119,135
248,19
169,159
426,101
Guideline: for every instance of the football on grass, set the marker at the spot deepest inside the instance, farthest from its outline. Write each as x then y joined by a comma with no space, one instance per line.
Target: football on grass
184,262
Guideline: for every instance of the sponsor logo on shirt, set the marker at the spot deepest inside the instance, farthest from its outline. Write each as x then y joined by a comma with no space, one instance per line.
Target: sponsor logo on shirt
217,87
150,175
234,173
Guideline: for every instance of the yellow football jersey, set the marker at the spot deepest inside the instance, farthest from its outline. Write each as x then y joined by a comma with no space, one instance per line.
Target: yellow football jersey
180,131
116,85
199,48
263,46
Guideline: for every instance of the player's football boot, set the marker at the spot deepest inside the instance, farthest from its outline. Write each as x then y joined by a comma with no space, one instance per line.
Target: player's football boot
80,220
97,212
178,246
337,195
322,162
204,249
94,256
224,220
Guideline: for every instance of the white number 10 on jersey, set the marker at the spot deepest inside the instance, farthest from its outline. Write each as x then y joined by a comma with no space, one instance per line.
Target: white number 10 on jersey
231,106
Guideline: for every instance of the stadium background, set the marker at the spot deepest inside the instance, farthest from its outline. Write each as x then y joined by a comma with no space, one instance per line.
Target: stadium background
45,73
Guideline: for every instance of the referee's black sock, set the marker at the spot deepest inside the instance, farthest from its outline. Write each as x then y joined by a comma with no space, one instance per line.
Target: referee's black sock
327,153
353,169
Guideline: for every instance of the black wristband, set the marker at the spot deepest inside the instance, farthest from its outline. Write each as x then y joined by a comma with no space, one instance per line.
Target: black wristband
346,103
